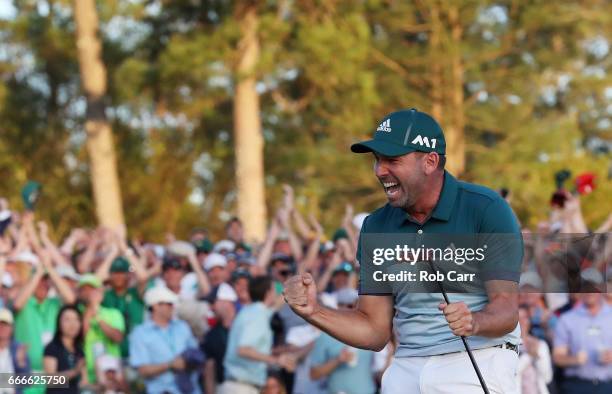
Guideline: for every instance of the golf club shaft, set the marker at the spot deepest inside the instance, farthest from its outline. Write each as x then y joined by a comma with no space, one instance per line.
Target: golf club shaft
467,347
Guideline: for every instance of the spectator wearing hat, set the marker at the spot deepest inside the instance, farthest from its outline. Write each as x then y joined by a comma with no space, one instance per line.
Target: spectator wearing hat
36,311
203,248
223,300
583,346
103,327
224,246
110,376
64,354
216,269
157,345
249,349
187,285
13,355
125,298
347,369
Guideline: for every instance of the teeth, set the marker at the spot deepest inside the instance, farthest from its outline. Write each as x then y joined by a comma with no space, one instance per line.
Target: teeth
389,184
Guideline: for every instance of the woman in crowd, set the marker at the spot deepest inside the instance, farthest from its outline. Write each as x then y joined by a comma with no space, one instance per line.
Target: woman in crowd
64,354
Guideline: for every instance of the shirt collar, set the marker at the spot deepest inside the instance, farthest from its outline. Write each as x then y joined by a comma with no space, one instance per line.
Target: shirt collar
446,202
444,206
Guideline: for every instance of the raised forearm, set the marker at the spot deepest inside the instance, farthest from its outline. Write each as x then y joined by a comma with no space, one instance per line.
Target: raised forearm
149,371
352,327
497,319
321,371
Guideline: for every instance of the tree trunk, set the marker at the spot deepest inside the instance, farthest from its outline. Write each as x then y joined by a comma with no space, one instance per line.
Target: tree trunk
436,69
100,145
455,139
248,138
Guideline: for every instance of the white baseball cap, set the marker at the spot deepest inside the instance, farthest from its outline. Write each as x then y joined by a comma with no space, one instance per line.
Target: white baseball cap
224,245
7,280
226,292
67,271
160,294
214,260
6,316
27,257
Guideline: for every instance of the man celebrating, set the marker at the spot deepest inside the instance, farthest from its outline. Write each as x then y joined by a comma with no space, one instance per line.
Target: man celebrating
409,150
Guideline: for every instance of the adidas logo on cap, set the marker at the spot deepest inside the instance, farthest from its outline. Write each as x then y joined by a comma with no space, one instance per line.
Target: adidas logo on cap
385,126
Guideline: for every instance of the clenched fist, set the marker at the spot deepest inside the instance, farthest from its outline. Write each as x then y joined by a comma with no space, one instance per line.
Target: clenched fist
459,318
301,294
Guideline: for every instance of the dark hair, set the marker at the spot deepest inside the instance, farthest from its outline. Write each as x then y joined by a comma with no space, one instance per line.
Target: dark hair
258,287
234,219
442,162
57,338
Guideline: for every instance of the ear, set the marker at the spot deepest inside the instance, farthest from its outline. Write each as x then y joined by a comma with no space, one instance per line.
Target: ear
430,162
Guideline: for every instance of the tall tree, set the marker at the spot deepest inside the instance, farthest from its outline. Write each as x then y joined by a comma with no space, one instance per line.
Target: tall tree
248,138
100,144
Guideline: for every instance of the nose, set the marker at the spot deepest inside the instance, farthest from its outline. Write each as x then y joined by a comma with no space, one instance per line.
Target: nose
380,169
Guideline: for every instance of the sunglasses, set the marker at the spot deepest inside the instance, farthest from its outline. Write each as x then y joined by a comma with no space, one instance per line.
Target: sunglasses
284,273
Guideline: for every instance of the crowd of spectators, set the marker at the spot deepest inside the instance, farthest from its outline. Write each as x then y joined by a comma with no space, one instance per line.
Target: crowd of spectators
206,314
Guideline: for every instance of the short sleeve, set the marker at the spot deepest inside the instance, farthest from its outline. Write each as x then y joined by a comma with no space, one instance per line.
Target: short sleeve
562,333
251,336
319,354
500,235
51,350
139,354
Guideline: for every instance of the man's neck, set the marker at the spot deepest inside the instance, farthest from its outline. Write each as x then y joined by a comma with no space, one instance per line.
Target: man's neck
425,205
4,343
162,322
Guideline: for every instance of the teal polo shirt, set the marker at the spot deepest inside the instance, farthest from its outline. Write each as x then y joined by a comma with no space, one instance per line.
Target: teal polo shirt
251,328
462,208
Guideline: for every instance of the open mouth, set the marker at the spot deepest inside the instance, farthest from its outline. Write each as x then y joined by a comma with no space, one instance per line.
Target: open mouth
391,188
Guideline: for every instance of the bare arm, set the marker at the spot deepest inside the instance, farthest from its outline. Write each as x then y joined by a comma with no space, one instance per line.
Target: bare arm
499,316
562,358
203,282
50,246
321,371
369,326
27,291
112,333
65,292
252,354
263,259
149,371
209,378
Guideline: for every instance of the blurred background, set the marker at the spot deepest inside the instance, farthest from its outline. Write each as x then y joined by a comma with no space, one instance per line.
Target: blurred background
167,114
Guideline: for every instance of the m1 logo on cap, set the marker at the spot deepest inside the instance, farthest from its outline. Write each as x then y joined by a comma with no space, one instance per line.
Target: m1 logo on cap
424,141
385,126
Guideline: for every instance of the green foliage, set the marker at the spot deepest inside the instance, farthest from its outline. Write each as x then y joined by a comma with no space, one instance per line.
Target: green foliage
535,76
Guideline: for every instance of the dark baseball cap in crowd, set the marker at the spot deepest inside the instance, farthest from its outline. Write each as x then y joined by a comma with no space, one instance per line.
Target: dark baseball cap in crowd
203,245
240,273
120,264
403,132
172,262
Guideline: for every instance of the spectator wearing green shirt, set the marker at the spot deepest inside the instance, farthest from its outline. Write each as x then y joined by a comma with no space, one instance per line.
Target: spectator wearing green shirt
36,312
121,296
104,327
